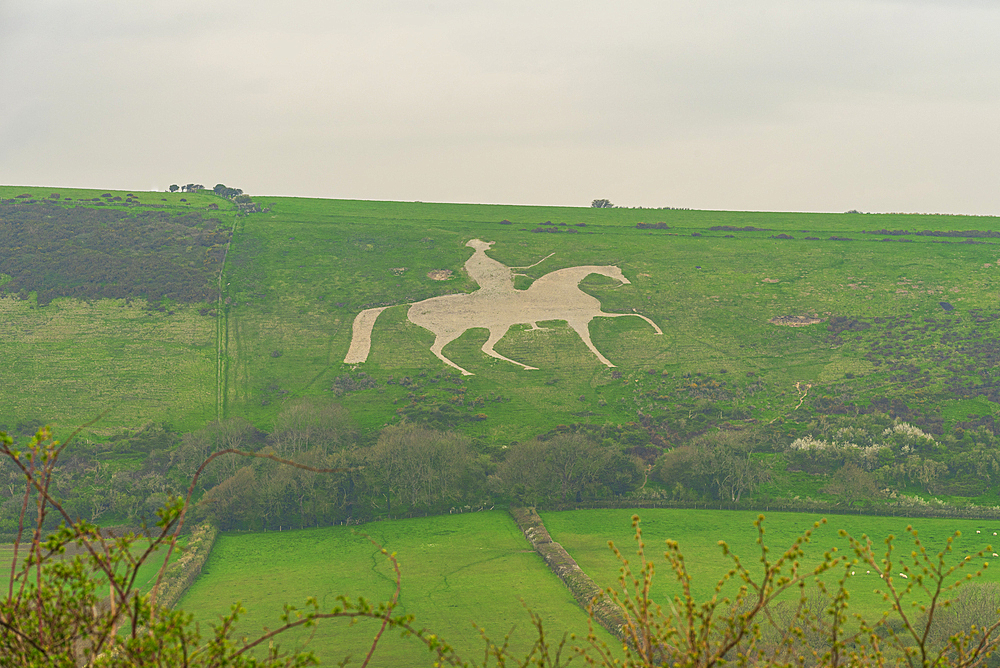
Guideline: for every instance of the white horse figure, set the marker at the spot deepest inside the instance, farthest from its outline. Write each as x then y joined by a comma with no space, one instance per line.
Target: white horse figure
497,305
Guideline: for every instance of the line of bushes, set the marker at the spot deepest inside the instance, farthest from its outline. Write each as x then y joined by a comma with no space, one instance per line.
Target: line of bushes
583,589
182,573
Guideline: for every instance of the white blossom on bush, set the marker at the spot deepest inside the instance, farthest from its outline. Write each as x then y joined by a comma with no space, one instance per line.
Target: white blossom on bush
808,443
906,429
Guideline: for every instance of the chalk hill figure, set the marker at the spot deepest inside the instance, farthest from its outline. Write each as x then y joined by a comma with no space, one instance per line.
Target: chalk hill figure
497,305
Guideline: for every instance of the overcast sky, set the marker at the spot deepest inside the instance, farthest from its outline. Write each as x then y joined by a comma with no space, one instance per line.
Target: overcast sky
785,105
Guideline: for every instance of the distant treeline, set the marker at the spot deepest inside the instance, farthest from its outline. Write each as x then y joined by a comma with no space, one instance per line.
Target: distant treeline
413,469
90,253
407,469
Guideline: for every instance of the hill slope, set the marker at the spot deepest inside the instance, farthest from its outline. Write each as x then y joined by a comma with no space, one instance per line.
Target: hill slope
898,317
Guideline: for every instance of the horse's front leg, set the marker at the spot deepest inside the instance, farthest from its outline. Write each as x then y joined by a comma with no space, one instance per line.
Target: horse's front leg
497,333
439,343
582,328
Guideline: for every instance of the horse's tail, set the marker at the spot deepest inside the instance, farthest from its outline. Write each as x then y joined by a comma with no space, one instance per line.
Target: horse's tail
361,335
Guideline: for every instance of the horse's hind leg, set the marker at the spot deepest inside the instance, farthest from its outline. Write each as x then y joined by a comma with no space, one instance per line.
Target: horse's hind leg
495,336
582,328
439,343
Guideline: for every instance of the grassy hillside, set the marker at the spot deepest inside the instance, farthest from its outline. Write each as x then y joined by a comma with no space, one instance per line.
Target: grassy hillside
244,314
108,302
456,570
297,275
898,322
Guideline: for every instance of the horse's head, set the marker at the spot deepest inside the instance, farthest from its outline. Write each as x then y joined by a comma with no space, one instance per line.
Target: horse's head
480,245
615,273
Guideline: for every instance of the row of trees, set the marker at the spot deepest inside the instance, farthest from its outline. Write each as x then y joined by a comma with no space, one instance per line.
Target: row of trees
872,459
414,469
223,190
720,465
409,469
220,189
896,455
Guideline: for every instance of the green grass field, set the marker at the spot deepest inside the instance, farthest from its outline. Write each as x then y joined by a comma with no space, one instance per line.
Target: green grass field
585,534
456,570
476,567
72,360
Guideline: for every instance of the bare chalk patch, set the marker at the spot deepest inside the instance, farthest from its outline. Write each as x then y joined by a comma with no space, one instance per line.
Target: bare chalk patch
795,320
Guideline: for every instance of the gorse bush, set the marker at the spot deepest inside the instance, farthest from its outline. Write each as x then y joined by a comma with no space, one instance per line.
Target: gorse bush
73,600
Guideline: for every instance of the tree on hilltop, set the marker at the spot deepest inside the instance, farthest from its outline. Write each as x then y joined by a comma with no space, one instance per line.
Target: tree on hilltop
223,190
601,204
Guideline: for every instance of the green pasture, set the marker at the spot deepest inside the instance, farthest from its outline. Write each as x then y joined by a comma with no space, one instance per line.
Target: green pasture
585,535
456,570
